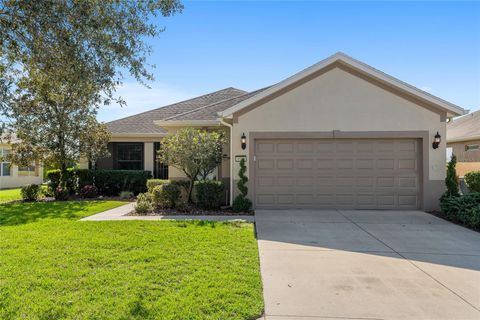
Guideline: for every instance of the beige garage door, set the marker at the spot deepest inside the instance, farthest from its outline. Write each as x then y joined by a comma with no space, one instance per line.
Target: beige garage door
337,173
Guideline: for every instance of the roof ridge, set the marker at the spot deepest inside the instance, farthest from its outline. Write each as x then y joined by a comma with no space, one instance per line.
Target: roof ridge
212,104
172,104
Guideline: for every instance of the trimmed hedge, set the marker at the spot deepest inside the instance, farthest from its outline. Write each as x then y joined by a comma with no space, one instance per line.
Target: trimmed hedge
108,182
152,183
209,194
54,177
464,209
473,181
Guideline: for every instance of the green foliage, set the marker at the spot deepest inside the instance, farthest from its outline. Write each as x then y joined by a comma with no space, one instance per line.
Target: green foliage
144,203
108,182
30,192
473,181
60,61
241,203
209,194
61,193
152,183
464,209
89,191
126,195
451,181
54,180
195,152
166,195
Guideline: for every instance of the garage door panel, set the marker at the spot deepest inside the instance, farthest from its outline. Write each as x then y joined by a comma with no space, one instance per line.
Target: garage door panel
362,174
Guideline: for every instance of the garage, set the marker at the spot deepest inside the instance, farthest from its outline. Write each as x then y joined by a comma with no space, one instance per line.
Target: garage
338,173
340,134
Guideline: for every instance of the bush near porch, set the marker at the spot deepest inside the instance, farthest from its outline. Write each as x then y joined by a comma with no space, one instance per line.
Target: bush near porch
107,182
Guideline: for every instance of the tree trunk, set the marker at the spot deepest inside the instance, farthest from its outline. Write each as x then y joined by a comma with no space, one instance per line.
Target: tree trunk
190,190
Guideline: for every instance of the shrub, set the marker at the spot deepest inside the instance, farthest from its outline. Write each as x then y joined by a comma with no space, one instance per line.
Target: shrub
108,182
209,194
181,206
451,181
144,203
152,183
464,209
166,195
61,193
126,195
473,181
89,191
30,192
112,182
54,180
241,202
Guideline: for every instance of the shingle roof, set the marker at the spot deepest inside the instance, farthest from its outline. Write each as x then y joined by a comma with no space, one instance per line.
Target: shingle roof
465,127
142,123
209,112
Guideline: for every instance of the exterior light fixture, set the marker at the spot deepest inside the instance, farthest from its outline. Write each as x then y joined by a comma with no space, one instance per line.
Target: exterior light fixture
244,141
436,141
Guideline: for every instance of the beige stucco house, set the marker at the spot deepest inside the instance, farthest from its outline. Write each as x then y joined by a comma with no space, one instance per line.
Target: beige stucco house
463,140
12,176
339,134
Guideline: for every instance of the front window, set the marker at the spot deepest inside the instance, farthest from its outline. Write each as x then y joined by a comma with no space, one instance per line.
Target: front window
29,171
472,147
4,165
129,156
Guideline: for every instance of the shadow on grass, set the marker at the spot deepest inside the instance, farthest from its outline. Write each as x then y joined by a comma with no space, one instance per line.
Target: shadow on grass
22,213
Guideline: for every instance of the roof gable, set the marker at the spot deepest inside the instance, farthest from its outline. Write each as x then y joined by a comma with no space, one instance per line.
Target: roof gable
355,67
464,128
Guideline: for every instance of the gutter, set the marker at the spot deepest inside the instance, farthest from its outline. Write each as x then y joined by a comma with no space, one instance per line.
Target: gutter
231,157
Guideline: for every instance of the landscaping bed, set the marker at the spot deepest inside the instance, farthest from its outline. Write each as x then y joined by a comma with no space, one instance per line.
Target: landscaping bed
192,212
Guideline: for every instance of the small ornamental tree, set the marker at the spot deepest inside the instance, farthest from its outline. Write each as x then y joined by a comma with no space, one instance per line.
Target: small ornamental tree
195,152
241,202
451,181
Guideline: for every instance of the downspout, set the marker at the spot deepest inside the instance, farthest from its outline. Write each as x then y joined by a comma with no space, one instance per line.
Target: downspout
231,157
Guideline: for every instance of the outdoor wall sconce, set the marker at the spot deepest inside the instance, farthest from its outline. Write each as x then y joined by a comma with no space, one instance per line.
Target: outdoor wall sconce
436,141
244,141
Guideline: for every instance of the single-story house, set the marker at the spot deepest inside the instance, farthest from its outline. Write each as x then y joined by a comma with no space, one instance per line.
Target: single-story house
463,140
12,176
339,134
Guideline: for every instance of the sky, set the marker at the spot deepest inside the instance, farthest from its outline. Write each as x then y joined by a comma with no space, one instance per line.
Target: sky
212,45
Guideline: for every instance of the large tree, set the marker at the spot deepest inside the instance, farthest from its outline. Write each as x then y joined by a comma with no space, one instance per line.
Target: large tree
62,59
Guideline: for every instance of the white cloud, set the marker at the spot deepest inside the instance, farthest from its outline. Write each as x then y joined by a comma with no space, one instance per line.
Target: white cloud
140,98
426,88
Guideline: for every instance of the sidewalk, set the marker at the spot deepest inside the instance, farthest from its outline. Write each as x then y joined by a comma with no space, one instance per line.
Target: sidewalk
119,213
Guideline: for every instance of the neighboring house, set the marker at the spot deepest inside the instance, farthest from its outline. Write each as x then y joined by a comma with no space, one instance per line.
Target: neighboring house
463,139
339,134
12,176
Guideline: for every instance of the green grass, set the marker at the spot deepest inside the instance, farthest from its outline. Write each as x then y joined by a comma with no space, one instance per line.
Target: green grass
54,267
7,195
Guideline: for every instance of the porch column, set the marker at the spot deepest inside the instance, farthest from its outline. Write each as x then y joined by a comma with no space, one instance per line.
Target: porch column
148,156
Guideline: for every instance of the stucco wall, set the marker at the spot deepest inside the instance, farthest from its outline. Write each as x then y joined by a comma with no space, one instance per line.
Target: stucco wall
14,181
338,100
458,149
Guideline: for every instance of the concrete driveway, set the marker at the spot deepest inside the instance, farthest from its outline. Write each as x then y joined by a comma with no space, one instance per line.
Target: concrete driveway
340,264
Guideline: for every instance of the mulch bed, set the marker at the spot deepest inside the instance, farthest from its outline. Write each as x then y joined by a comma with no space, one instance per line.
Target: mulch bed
443,216
192,212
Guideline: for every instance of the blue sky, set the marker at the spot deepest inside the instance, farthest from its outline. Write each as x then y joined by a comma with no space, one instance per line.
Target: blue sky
212,45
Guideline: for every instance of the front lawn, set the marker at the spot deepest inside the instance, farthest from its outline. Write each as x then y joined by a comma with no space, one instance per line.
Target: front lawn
7,195
55,267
